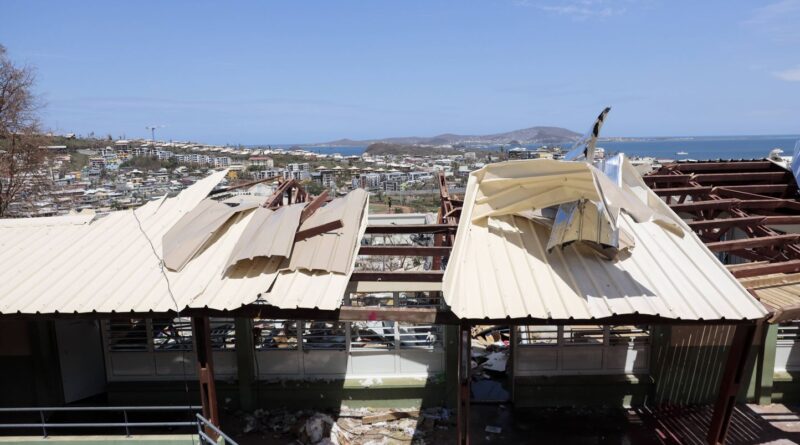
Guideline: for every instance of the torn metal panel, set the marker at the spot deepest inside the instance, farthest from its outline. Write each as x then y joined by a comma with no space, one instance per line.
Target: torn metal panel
333,251
269,233
500,266
195,229
584,147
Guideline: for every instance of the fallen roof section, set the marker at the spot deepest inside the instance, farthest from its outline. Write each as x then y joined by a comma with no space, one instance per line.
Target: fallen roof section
500,267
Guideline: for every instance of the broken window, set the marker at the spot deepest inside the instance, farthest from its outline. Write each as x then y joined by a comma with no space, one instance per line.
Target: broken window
324,335
371,299
628,335
418,336
127,335
789,333
372,335
420,299
584,335
172,334
223,334
538,335
275,334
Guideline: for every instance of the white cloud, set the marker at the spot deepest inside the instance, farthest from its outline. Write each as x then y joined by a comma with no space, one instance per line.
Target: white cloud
789,75
778,19
584,9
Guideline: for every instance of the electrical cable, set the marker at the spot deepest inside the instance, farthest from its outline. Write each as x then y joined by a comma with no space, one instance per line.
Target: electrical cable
177,308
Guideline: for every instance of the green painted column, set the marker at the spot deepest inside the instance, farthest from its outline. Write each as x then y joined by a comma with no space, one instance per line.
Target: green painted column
451,365
245,363
767,364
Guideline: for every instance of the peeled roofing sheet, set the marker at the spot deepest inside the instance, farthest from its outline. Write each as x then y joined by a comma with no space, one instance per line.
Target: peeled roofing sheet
269,233
332,251
315,289
499,267
194,230
111,266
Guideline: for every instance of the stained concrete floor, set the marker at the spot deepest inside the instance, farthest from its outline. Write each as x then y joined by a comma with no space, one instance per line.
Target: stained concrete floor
751,424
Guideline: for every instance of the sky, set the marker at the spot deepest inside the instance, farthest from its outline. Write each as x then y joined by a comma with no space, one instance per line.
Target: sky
311,71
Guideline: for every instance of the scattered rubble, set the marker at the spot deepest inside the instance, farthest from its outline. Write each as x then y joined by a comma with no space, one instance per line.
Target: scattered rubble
490,347
351,426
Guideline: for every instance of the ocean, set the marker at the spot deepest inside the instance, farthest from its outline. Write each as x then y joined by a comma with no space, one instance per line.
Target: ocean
739,147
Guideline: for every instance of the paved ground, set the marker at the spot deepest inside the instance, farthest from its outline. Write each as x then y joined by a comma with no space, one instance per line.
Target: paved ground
752,424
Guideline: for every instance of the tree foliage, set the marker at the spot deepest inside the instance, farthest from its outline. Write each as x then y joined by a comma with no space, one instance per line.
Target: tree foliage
22,176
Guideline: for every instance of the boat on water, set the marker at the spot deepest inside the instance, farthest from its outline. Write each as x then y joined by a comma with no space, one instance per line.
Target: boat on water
682,153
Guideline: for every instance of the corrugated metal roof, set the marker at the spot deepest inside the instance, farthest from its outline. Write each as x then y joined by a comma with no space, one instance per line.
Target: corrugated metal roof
500,268
320,289
195,229
269,233
332,251
113,264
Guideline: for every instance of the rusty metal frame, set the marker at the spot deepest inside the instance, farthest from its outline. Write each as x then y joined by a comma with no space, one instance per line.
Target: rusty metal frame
751,196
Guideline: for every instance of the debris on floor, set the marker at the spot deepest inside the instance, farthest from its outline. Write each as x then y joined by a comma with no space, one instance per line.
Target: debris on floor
490,349
351,426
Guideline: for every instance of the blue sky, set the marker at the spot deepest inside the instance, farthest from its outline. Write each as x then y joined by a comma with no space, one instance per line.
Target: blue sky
311,71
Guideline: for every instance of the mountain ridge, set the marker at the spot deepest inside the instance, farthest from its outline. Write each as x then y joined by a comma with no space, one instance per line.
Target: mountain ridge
531,135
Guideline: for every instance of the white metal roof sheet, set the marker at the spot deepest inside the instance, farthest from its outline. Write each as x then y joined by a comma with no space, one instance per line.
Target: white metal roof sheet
333,251
499,267
321,289
113,263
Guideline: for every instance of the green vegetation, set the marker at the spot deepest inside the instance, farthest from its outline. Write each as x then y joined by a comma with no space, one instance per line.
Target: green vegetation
149,163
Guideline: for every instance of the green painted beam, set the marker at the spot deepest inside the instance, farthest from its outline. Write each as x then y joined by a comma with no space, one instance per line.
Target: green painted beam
765,387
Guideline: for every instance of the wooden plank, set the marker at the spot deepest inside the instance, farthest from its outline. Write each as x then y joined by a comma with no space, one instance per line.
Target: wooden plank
734,166
276,198
717,178
746,221
392,415
712,204
411,228
679,191
758,269
312,206
428,276
314,231
751,243
405,250
759,188
662,179
748,197
778,220
766,204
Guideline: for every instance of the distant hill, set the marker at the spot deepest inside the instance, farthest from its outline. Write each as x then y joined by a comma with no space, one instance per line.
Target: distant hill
532,135
386,148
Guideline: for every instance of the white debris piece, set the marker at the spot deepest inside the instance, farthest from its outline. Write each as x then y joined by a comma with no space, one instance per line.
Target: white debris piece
496,361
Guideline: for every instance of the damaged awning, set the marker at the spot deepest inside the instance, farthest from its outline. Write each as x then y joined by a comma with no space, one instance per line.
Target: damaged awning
501,266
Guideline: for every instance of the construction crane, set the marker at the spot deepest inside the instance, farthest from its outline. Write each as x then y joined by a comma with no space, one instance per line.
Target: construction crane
152,129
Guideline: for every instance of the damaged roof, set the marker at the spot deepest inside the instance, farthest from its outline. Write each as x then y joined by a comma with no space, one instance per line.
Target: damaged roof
113,263
500,266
